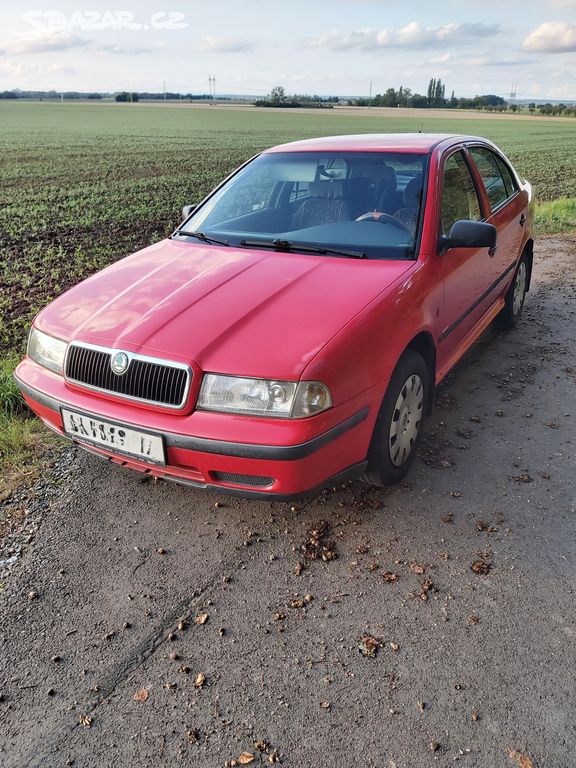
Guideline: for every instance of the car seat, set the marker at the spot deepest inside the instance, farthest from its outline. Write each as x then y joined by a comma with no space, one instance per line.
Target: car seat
408,215
324,206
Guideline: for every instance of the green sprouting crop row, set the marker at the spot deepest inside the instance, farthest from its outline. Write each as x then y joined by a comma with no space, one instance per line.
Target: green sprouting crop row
82,185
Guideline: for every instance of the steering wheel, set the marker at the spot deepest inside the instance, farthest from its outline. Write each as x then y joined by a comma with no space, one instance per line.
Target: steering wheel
383,218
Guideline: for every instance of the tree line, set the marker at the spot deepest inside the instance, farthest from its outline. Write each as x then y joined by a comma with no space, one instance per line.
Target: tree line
279,98
117,95
403,97
435,97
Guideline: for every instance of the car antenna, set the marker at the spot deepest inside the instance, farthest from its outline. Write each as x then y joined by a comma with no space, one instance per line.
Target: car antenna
421,126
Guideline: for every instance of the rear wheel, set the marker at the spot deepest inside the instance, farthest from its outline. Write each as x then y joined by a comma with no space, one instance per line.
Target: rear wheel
399,424
515,295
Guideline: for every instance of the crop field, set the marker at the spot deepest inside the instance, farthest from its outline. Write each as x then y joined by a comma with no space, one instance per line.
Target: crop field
84,184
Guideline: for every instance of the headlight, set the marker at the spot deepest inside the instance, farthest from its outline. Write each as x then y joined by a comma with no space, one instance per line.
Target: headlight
260,397
46,350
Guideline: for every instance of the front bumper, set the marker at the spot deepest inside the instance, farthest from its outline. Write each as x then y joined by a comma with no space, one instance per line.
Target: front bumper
289,460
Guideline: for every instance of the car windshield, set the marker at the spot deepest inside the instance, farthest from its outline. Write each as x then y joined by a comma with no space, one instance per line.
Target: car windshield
366,204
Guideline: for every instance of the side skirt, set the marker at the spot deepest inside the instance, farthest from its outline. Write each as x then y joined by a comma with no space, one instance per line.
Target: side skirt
469,339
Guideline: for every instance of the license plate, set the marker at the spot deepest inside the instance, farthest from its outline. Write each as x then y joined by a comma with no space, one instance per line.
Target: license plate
117,438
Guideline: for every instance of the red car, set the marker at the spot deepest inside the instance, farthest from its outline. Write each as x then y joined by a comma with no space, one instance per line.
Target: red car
290,333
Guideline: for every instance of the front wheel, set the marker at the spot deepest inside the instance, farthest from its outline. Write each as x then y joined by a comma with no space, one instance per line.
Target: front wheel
399,424
515,295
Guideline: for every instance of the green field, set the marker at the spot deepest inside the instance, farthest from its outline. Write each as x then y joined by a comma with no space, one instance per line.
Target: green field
84,184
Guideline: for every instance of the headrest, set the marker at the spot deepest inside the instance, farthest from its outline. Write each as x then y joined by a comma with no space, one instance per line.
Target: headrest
328,189
413,192
384,172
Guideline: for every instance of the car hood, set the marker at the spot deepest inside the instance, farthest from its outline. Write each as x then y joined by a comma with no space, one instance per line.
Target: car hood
241,311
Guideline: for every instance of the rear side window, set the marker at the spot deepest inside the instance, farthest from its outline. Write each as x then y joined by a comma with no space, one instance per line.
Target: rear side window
459,196
300,191
509,180
489,167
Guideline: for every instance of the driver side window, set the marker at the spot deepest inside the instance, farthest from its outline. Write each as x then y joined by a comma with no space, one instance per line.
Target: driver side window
459,196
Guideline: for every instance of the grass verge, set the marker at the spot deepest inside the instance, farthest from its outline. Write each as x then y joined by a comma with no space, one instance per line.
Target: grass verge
23,439
556,217
11,402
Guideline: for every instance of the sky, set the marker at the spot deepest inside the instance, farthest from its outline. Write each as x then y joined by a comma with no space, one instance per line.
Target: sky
327,47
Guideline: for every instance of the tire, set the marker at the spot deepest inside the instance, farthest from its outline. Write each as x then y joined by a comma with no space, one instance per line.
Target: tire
398,427
515,295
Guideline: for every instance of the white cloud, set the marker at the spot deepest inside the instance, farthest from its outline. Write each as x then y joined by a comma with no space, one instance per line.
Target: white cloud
413,35
552,37
511,61
45,41
479,61
362,40
476,29
134,51
217,44
32,70
443,59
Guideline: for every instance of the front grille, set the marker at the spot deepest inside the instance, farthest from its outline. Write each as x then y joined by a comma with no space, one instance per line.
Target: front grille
151,381
254,480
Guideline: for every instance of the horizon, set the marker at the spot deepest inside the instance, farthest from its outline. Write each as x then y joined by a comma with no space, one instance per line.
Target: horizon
80,95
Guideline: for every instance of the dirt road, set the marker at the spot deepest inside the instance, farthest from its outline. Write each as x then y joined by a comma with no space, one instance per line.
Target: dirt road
148,625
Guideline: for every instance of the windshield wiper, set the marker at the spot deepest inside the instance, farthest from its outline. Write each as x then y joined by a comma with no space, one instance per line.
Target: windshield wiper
288,246
202,236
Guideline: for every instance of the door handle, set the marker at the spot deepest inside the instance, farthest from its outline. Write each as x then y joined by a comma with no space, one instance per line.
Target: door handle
522,220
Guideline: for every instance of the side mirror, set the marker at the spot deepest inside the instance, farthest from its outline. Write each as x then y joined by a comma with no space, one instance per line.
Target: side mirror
187,210
469,234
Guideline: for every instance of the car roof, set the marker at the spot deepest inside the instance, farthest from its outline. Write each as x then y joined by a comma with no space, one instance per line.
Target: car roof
372,142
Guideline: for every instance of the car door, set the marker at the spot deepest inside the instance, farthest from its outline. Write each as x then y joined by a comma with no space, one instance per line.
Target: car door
467,273
506,210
